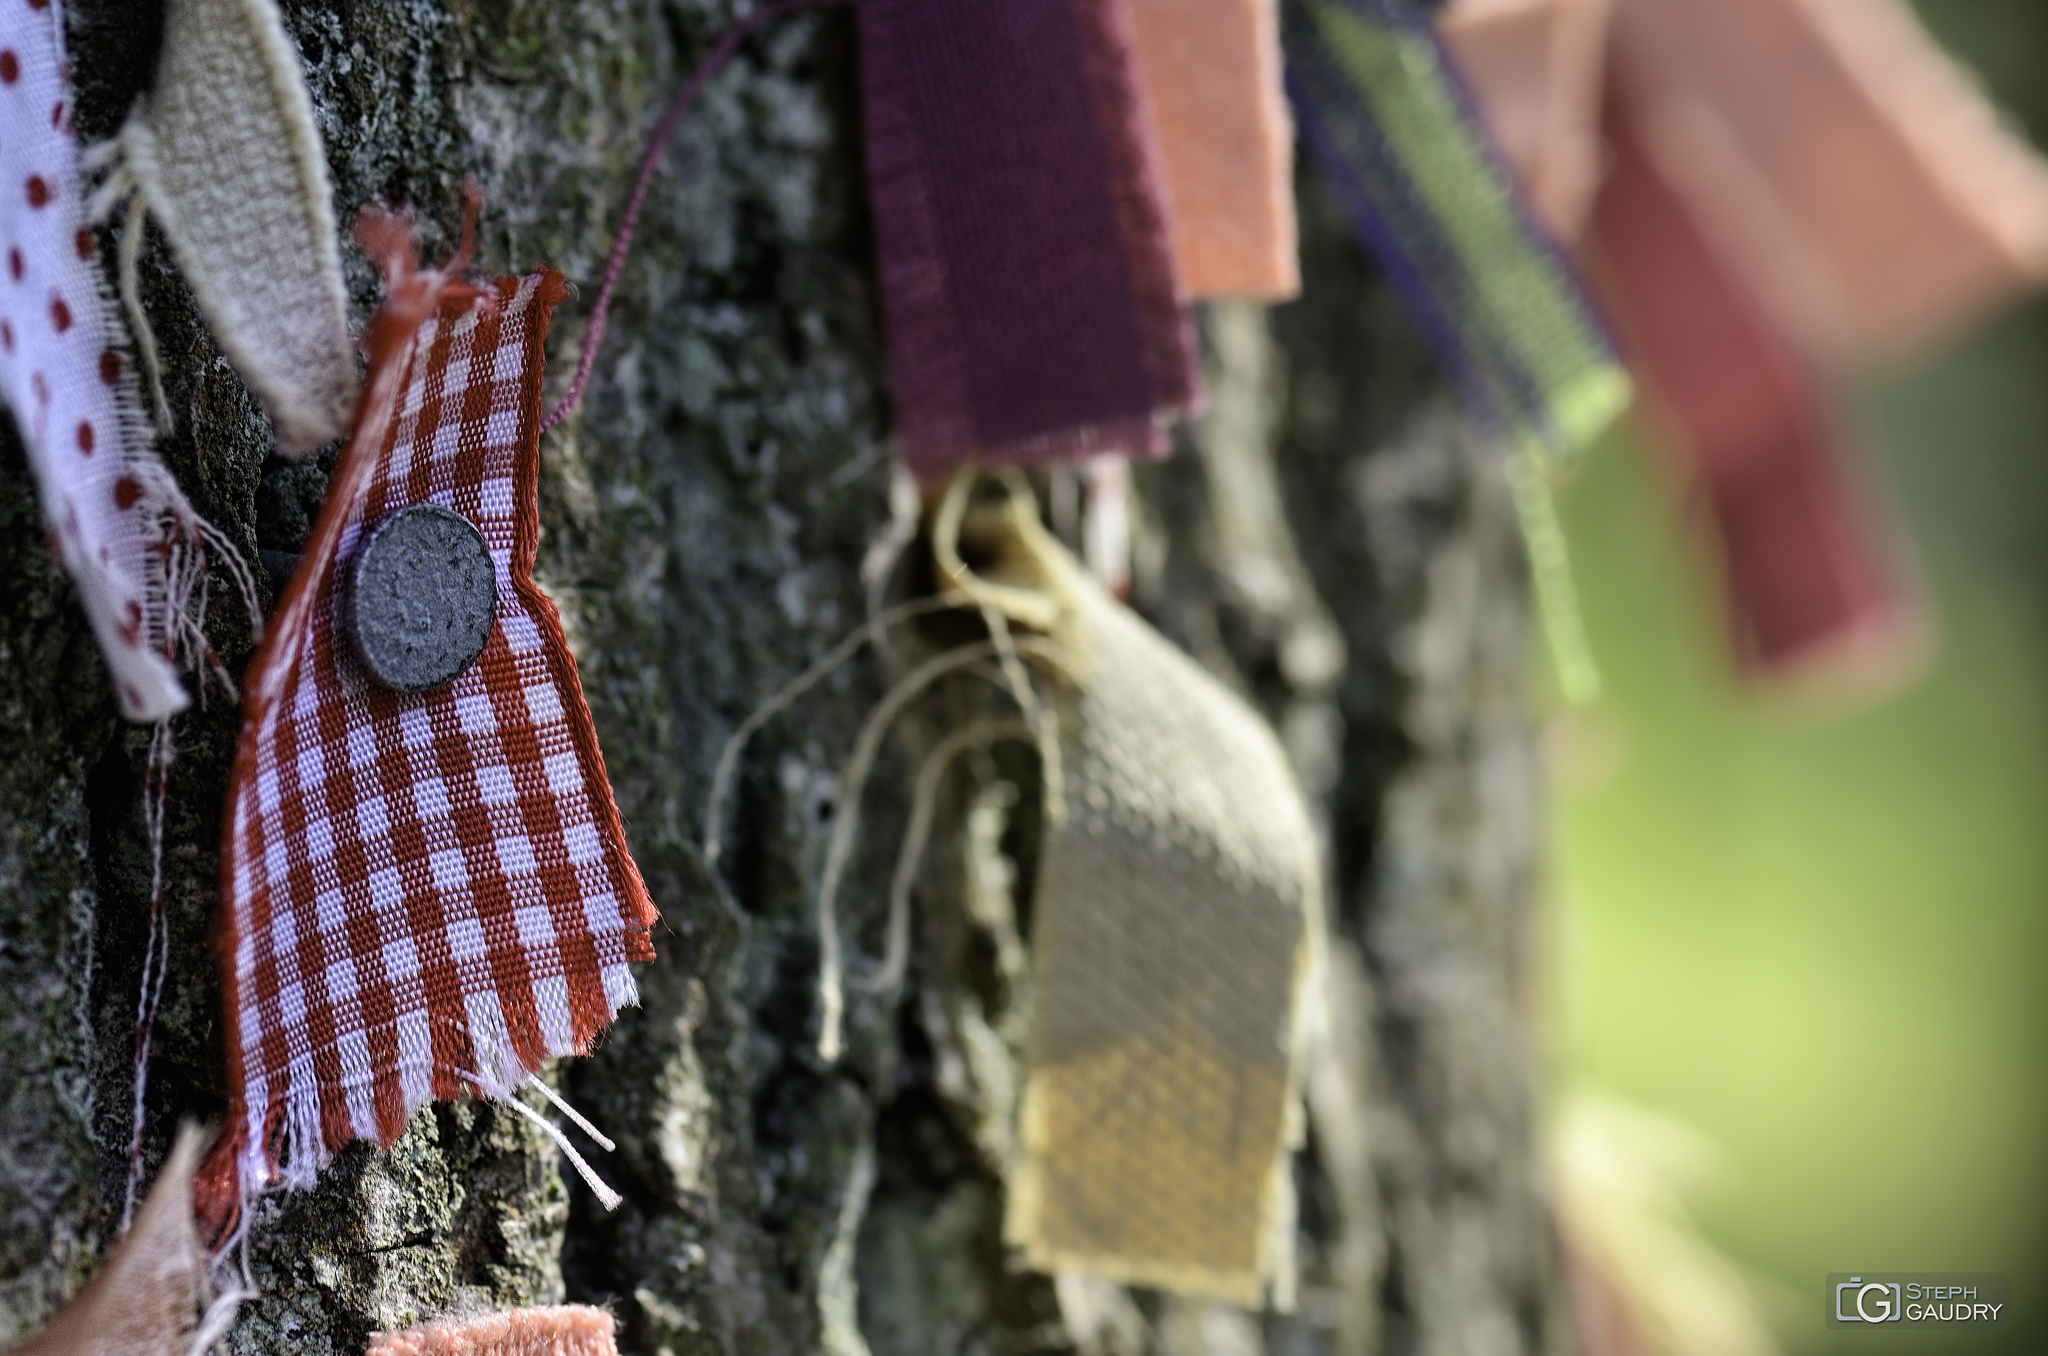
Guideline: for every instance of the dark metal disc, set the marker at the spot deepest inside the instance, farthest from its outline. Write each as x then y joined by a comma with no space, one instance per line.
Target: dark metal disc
421,596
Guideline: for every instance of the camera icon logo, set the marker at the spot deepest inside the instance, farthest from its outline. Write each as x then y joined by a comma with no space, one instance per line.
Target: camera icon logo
1860,1301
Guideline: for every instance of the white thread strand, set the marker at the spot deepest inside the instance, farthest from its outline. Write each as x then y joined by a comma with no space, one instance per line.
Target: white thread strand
609,1199
852,781
561,1104
156,956
129,255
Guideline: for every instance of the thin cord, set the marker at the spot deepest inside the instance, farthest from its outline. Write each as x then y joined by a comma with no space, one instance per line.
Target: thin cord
606,1197
156,956
923,806
785,697
709,67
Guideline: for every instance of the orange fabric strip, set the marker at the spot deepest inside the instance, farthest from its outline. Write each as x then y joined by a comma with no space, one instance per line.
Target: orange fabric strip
552,1330
1210,72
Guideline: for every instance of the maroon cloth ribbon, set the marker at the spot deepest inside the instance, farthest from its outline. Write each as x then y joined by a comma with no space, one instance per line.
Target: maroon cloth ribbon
1021,232
1806,569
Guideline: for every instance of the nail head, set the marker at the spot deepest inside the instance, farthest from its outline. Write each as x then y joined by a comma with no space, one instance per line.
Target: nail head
422,596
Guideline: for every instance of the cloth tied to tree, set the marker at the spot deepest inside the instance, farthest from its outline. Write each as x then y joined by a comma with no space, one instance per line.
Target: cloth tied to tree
1390,128
424,895
1021,233
1788,187
1176,922
1210,74
1809,575
116,518
223,153
545,1330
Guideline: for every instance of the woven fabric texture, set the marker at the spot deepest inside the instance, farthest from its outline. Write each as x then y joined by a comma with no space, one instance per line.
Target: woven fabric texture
1861,184
225,153
425,895
1809,582
1211,78
1534,68
1021,233
1391,128
549,1330
1177,911
66,376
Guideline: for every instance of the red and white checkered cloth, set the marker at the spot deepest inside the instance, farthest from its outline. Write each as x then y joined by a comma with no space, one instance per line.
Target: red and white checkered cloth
426,895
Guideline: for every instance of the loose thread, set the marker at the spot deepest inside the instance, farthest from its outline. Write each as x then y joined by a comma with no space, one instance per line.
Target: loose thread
561,1104
615,263
606,1197
729,757
185,544
923,807
129,260
156,956
853,781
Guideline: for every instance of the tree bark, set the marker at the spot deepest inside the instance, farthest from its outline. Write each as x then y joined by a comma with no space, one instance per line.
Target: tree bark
1330,538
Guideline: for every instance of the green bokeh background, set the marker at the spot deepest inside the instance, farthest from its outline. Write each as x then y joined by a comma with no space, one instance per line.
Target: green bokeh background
1820,938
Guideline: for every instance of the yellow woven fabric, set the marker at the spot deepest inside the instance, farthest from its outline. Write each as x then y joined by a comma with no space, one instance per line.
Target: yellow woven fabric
1177,911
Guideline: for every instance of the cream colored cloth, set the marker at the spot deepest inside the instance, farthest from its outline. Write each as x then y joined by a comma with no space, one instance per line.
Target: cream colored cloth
228,161
1210,72
552,1330
1177,913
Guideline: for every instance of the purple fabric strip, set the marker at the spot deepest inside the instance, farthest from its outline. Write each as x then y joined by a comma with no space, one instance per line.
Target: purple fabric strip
1021,232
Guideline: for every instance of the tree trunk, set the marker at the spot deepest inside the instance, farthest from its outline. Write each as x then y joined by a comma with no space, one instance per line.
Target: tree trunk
1329,539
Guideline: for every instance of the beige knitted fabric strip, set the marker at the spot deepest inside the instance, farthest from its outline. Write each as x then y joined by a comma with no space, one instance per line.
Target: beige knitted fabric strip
226,156
555,1330
1177,915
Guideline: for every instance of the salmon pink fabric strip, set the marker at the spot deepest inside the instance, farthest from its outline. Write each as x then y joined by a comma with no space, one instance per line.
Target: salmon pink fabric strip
1806,571
549,1330
1211,79
1021,232
1840,162
425,895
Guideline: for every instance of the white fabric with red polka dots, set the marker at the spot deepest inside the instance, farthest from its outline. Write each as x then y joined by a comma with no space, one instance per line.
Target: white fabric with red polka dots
66,375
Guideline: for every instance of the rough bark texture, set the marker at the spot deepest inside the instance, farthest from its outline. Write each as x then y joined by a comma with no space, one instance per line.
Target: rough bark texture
1329,539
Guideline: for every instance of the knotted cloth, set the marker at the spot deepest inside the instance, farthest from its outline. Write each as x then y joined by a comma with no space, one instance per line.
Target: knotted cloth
1021,233
1176,919
425,895
1211,78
